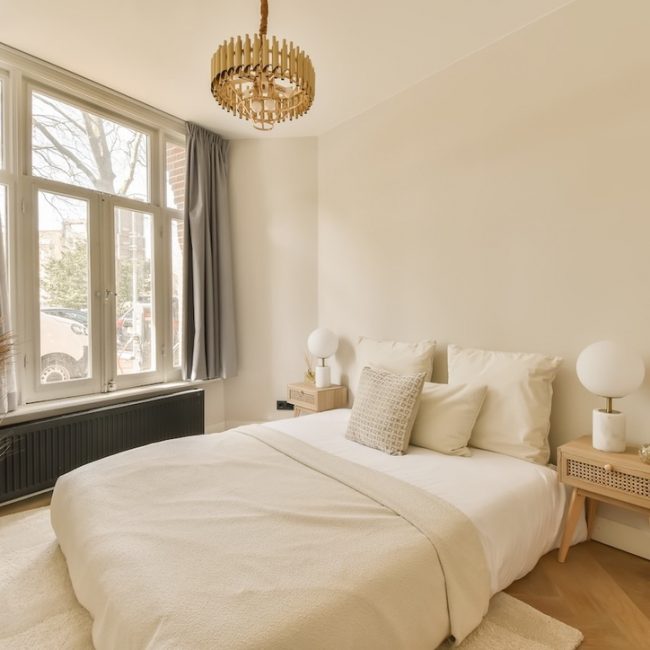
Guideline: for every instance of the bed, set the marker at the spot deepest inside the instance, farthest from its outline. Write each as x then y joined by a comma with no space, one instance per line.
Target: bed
291,536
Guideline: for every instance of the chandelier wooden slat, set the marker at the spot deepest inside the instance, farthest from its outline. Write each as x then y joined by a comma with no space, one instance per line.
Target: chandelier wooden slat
262,80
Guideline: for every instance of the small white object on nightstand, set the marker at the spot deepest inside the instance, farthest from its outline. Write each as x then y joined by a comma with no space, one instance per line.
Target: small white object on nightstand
611,370
322,343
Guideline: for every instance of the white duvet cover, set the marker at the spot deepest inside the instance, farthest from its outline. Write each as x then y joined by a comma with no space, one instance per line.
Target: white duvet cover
254,539
516,506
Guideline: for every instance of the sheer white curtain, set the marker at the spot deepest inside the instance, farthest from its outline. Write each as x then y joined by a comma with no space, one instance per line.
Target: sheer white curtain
8,388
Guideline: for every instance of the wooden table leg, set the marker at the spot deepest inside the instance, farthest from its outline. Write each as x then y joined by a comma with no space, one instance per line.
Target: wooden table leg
575,508
592,509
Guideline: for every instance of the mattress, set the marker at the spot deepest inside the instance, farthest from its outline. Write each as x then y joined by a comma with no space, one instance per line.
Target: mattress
517,506
255,539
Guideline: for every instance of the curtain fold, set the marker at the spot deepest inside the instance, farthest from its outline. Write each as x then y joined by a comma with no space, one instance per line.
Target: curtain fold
8,384
209,344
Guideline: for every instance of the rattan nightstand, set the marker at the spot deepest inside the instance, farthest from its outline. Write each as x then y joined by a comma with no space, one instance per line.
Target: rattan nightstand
306,398
621,479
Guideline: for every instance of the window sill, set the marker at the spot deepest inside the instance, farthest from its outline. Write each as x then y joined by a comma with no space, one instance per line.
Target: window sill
39,410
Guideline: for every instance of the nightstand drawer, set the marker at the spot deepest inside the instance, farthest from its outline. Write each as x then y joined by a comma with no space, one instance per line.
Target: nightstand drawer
303,397
606,478
309,398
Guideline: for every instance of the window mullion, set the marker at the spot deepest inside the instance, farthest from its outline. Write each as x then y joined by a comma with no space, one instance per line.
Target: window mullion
104,292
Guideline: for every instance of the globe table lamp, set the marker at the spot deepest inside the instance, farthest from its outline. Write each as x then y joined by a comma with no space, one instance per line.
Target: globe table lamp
322,344
611,370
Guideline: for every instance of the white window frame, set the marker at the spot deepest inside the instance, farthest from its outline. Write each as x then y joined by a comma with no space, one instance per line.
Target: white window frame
22,75
33,389
170,214
9,178
157,374
31,86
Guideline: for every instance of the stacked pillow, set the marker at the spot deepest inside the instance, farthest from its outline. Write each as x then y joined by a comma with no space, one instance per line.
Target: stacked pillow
446,417
498,401
515,418
384,410
396,356
388,392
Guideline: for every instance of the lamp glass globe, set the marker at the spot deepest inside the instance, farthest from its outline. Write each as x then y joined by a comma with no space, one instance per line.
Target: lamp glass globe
610,369
322,343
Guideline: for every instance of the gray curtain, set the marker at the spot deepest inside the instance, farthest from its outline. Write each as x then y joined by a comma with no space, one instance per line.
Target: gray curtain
209,346
8,385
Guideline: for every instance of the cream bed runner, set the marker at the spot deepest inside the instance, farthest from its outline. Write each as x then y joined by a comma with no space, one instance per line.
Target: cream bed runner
252,539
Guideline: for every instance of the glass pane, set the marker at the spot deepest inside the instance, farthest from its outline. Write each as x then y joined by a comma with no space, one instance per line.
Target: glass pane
177,290
3,228
63,274
175,175
133,281
75,146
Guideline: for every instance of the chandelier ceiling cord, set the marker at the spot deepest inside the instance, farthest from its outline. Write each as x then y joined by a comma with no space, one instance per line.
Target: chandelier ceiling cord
262,80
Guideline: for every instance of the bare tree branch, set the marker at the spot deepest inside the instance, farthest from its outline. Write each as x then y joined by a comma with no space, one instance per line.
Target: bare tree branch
67,119
133,162
67,153
101,152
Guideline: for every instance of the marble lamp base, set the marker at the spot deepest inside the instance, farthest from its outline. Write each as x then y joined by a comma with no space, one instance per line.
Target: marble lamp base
608,432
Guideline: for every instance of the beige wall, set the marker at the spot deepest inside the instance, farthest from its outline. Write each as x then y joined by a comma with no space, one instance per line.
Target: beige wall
503,203
273,192
215,411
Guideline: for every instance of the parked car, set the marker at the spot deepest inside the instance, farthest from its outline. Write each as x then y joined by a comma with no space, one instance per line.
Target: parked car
64,348
64,312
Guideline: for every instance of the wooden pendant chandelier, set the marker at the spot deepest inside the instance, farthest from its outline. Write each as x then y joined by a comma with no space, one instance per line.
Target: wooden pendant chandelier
261,80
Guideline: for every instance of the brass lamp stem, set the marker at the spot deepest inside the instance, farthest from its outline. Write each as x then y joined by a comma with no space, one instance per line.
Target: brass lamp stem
609,405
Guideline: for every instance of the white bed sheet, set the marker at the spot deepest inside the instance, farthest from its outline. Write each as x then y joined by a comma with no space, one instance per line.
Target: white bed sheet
516,506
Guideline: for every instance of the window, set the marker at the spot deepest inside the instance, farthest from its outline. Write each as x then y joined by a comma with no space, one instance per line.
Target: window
5,178
135,297
175,175
177,289
3,225
76,146
97,182
63,287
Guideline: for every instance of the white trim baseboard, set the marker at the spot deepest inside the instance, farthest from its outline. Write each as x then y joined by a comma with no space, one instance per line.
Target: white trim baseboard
626,538
215,427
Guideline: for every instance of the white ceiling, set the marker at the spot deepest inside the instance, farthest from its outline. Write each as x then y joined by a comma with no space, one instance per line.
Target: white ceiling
159,51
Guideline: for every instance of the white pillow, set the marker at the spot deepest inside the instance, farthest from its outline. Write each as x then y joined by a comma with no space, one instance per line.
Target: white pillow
446,417
397,357
515,418
384,411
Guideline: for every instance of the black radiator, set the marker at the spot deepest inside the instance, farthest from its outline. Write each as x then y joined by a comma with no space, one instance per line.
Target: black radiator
38,452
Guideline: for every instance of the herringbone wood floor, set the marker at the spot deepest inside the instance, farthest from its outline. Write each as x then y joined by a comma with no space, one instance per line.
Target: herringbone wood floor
602,591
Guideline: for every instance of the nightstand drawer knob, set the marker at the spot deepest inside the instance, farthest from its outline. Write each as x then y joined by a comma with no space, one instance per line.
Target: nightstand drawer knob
608,468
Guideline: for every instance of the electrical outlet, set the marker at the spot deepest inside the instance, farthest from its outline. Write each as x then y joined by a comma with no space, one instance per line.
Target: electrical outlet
283,405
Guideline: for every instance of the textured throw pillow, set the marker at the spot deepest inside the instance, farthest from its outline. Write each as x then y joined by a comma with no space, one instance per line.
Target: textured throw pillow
446,417
395,356
384,410
515,418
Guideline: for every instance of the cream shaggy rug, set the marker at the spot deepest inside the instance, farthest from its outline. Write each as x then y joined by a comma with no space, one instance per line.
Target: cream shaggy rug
38,608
